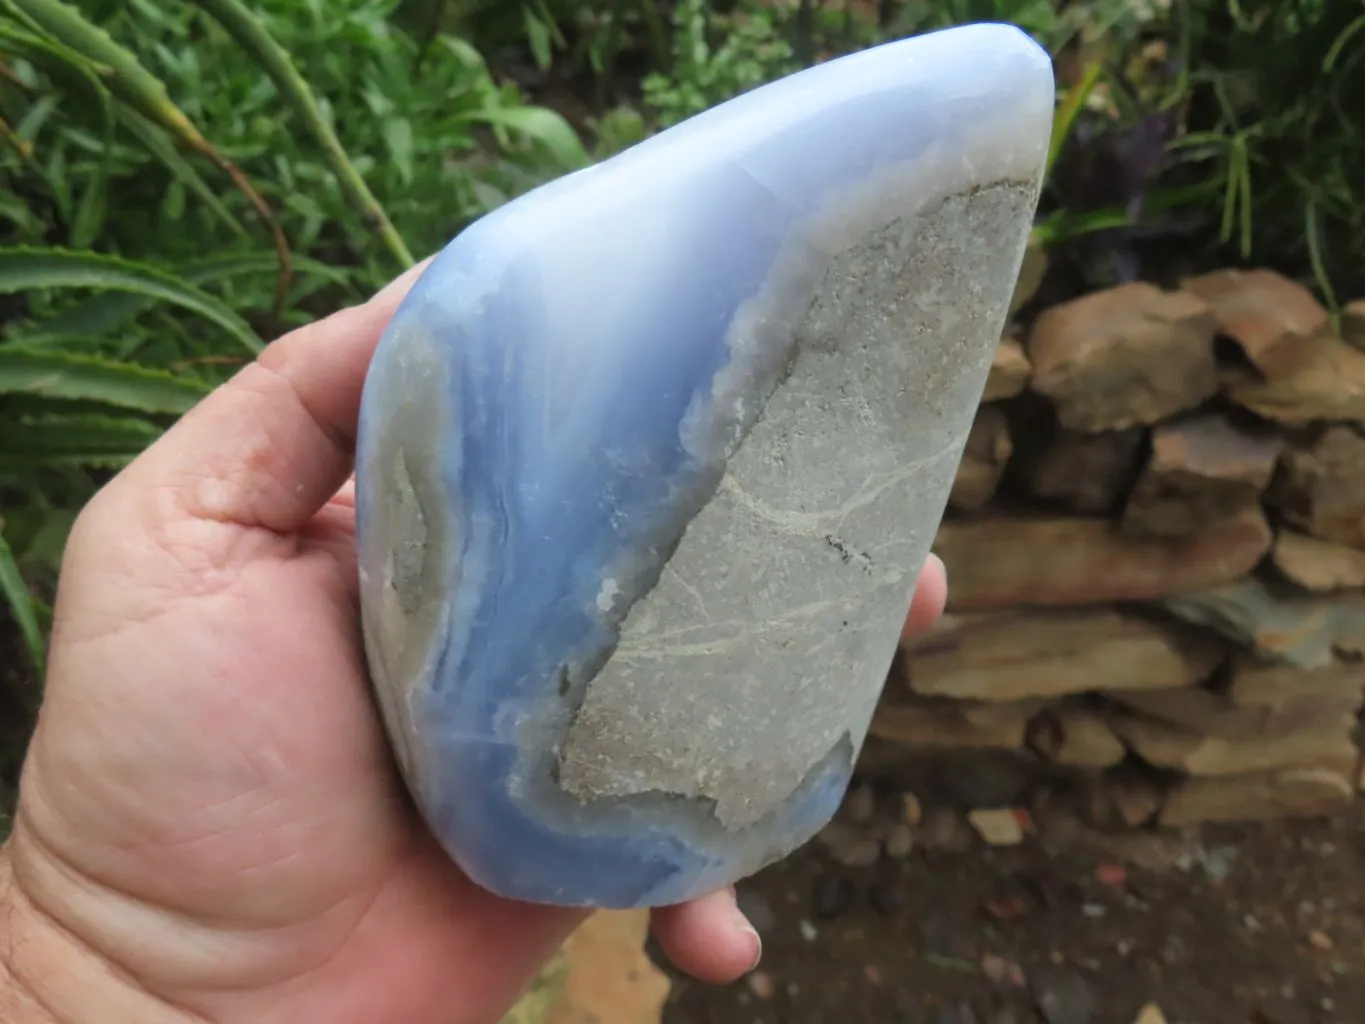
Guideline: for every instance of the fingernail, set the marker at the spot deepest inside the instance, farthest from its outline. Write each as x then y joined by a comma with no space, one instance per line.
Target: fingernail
743,924
758,947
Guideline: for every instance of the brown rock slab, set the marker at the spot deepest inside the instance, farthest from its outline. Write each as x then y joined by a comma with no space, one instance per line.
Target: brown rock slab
1255,683
1274,320
1260,796
985,712
1077,738
1330,385
1353,324
1168,746
1124,357
984,458
1202,469
919,727
610,979
1203,711
999,563
1321,487
1318,564
1010,369
1044,654
1088,473
1304,630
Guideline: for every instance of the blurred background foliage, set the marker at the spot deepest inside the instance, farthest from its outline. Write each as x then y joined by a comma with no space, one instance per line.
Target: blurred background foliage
182,181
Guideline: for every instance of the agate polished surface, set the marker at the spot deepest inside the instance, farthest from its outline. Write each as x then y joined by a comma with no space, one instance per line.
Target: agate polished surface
650,459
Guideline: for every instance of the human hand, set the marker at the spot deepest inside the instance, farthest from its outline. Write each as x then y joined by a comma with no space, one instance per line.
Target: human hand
210,828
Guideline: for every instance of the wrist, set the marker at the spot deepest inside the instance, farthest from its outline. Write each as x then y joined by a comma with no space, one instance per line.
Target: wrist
47,976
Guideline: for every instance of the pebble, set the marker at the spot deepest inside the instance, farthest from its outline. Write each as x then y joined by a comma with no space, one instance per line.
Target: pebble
1006,908
1320,940
998,826
946,831
1000,971
761,984
1063,996
1115,875
850,845
808,931
1216,863
955,1013
832,895
862,854
911,811
1150,1014
861,804
899,841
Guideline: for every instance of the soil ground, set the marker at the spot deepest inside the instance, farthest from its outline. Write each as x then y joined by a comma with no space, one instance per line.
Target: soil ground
1245,925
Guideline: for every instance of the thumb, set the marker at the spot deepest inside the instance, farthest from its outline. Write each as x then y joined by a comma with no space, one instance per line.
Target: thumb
269,448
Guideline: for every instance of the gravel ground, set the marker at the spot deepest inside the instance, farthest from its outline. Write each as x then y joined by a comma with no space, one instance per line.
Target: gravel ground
1245,925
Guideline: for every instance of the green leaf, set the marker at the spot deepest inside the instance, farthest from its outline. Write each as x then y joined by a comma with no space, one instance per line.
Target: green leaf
158,143
102,314
90,441
37,535
538,37
539,123
94,206
398,138
66,375
1339,44
1312,230
1064,120
23,268
21,605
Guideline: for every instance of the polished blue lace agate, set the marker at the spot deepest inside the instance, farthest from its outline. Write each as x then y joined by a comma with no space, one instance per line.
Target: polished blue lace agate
650,459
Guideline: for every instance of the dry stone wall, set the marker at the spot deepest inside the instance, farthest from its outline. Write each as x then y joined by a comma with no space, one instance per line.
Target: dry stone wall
1156,556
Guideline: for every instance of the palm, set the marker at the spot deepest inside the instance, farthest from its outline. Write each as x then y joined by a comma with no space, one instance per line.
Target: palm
261,796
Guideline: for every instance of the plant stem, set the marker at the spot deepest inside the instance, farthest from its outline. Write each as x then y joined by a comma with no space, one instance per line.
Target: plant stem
253,37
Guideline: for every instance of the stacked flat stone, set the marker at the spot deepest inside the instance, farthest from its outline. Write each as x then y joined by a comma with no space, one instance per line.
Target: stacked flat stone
1156,556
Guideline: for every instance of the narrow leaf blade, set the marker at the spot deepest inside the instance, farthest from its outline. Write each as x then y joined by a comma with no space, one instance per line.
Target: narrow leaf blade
21,605
23,268
66,375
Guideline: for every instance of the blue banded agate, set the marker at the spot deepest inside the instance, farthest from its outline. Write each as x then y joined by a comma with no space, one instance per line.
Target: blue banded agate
650,458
